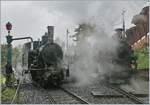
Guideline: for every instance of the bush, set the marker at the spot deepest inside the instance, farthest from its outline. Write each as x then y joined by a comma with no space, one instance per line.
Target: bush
143,58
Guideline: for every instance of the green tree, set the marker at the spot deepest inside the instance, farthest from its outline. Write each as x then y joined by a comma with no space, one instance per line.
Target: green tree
3,55
83,30
15,53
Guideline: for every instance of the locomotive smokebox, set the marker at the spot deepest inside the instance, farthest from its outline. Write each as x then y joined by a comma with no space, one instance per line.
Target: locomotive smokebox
50,33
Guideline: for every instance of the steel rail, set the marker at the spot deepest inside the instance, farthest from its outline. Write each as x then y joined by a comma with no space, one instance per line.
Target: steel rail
74,95
52,101
14,97
129,95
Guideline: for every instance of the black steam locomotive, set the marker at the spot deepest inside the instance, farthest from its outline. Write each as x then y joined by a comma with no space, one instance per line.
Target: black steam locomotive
44,60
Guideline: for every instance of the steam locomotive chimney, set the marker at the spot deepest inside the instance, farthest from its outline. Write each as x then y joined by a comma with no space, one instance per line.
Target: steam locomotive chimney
50,33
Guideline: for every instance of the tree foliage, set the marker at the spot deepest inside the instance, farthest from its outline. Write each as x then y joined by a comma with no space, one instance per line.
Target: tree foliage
3,55
15,53
83,30
143,57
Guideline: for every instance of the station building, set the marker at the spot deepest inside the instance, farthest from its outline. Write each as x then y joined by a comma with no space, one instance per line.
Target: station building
138,36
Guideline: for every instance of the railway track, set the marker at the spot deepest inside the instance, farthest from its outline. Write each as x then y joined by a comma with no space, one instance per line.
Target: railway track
37,95
108,94
77,99
61,95
31,94
16,95
129,95
122,94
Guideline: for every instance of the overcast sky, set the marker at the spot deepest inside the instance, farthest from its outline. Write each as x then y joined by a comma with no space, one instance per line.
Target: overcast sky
31,18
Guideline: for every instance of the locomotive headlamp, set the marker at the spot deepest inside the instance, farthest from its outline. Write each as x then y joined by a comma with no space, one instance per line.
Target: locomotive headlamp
8,27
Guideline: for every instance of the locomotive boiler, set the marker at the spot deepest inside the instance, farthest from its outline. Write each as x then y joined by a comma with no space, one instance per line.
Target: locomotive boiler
44,60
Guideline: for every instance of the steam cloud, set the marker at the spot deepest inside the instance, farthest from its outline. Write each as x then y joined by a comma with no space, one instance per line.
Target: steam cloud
93,56
95,51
